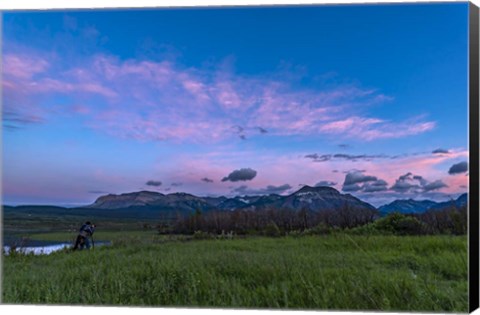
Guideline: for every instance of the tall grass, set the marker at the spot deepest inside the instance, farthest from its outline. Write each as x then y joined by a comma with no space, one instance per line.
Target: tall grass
390,273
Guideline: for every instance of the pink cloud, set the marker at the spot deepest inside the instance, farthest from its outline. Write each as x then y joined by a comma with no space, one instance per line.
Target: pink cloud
23,67
81,109
149,100
351,125
30,75
431,167
373,128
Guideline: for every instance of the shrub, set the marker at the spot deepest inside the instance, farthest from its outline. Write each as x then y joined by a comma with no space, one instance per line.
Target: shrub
295,233
271,229
400,224
200,235
225,236
368,229
320,229
394,223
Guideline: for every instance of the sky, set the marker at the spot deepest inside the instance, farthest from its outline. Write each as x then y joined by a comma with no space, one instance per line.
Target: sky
369,99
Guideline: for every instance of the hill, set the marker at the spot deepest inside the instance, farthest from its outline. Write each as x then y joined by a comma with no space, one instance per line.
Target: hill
314,199
410,206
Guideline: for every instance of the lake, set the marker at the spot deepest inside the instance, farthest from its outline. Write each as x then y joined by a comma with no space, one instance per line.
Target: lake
44,247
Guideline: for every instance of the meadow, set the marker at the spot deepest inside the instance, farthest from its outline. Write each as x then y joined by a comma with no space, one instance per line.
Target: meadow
338,271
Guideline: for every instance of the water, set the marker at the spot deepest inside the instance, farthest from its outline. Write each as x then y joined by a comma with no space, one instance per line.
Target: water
37,248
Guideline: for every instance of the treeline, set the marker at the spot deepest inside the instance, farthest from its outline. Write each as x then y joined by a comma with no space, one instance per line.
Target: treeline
267,221
276,222
452,220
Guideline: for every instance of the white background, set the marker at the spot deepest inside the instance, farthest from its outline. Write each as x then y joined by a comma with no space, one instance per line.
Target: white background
82,310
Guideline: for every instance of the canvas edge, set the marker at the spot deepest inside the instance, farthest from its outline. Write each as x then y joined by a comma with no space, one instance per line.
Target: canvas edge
1,155
473,203
474,144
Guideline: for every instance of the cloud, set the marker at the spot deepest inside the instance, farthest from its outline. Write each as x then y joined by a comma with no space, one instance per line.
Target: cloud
170,101
375,186
422,180
342,156
424,168
154,183
406,176
238,129
243,174
458,168
11,128
368,128
410,183
402,186
319,158
440,151
358,157
356,181
262,130
17,119
176,184
434,185
325,183
358,177
207,180
35,75
270,189
351,188
242,131
97,192
23,66
406,183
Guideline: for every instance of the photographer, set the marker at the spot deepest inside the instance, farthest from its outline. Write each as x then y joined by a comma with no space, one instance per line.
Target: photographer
84,235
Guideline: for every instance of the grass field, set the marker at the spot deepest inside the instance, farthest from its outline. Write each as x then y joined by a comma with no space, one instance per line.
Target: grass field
340,271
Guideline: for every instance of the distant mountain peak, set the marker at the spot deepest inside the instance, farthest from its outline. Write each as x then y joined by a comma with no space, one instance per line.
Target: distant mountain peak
318,189
411,206
407,206
148,192
125,200
322,198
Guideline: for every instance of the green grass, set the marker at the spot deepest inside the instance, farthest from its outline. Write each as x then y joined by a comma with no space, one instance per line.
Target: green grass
390,273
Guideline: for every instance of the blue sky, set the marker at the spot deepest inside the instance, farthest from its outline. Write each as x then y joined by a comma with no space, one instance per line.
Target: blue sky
104,101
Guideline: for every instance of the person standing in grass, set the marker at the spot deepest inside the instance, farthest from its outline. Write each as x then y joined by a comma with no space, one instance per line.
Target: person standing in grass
84,235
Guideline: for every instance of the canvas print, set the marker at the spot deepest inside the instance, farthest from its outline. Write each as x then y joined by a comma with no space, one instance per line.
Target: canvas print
273,157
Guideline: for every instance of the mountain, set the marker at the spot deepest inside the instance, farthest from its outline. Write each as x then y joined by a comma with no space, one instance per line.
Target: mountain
233,203
461,201
315,199
322,198
310,198
215,201
411,206
112,201
247,202
407,206
182,202
264,201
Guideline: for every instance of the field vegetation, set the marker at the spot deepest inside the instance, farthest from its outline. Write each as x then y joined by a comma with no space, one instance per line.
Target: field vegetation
394,263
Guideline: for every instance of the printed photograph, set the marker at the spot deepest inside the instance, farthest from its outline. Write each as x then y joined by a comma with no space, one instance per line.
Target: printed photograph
301,157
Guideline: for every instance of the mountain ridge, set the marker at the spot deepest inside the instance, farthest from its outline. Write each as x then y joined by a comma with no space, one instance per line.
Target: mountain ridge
411,206
311,198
